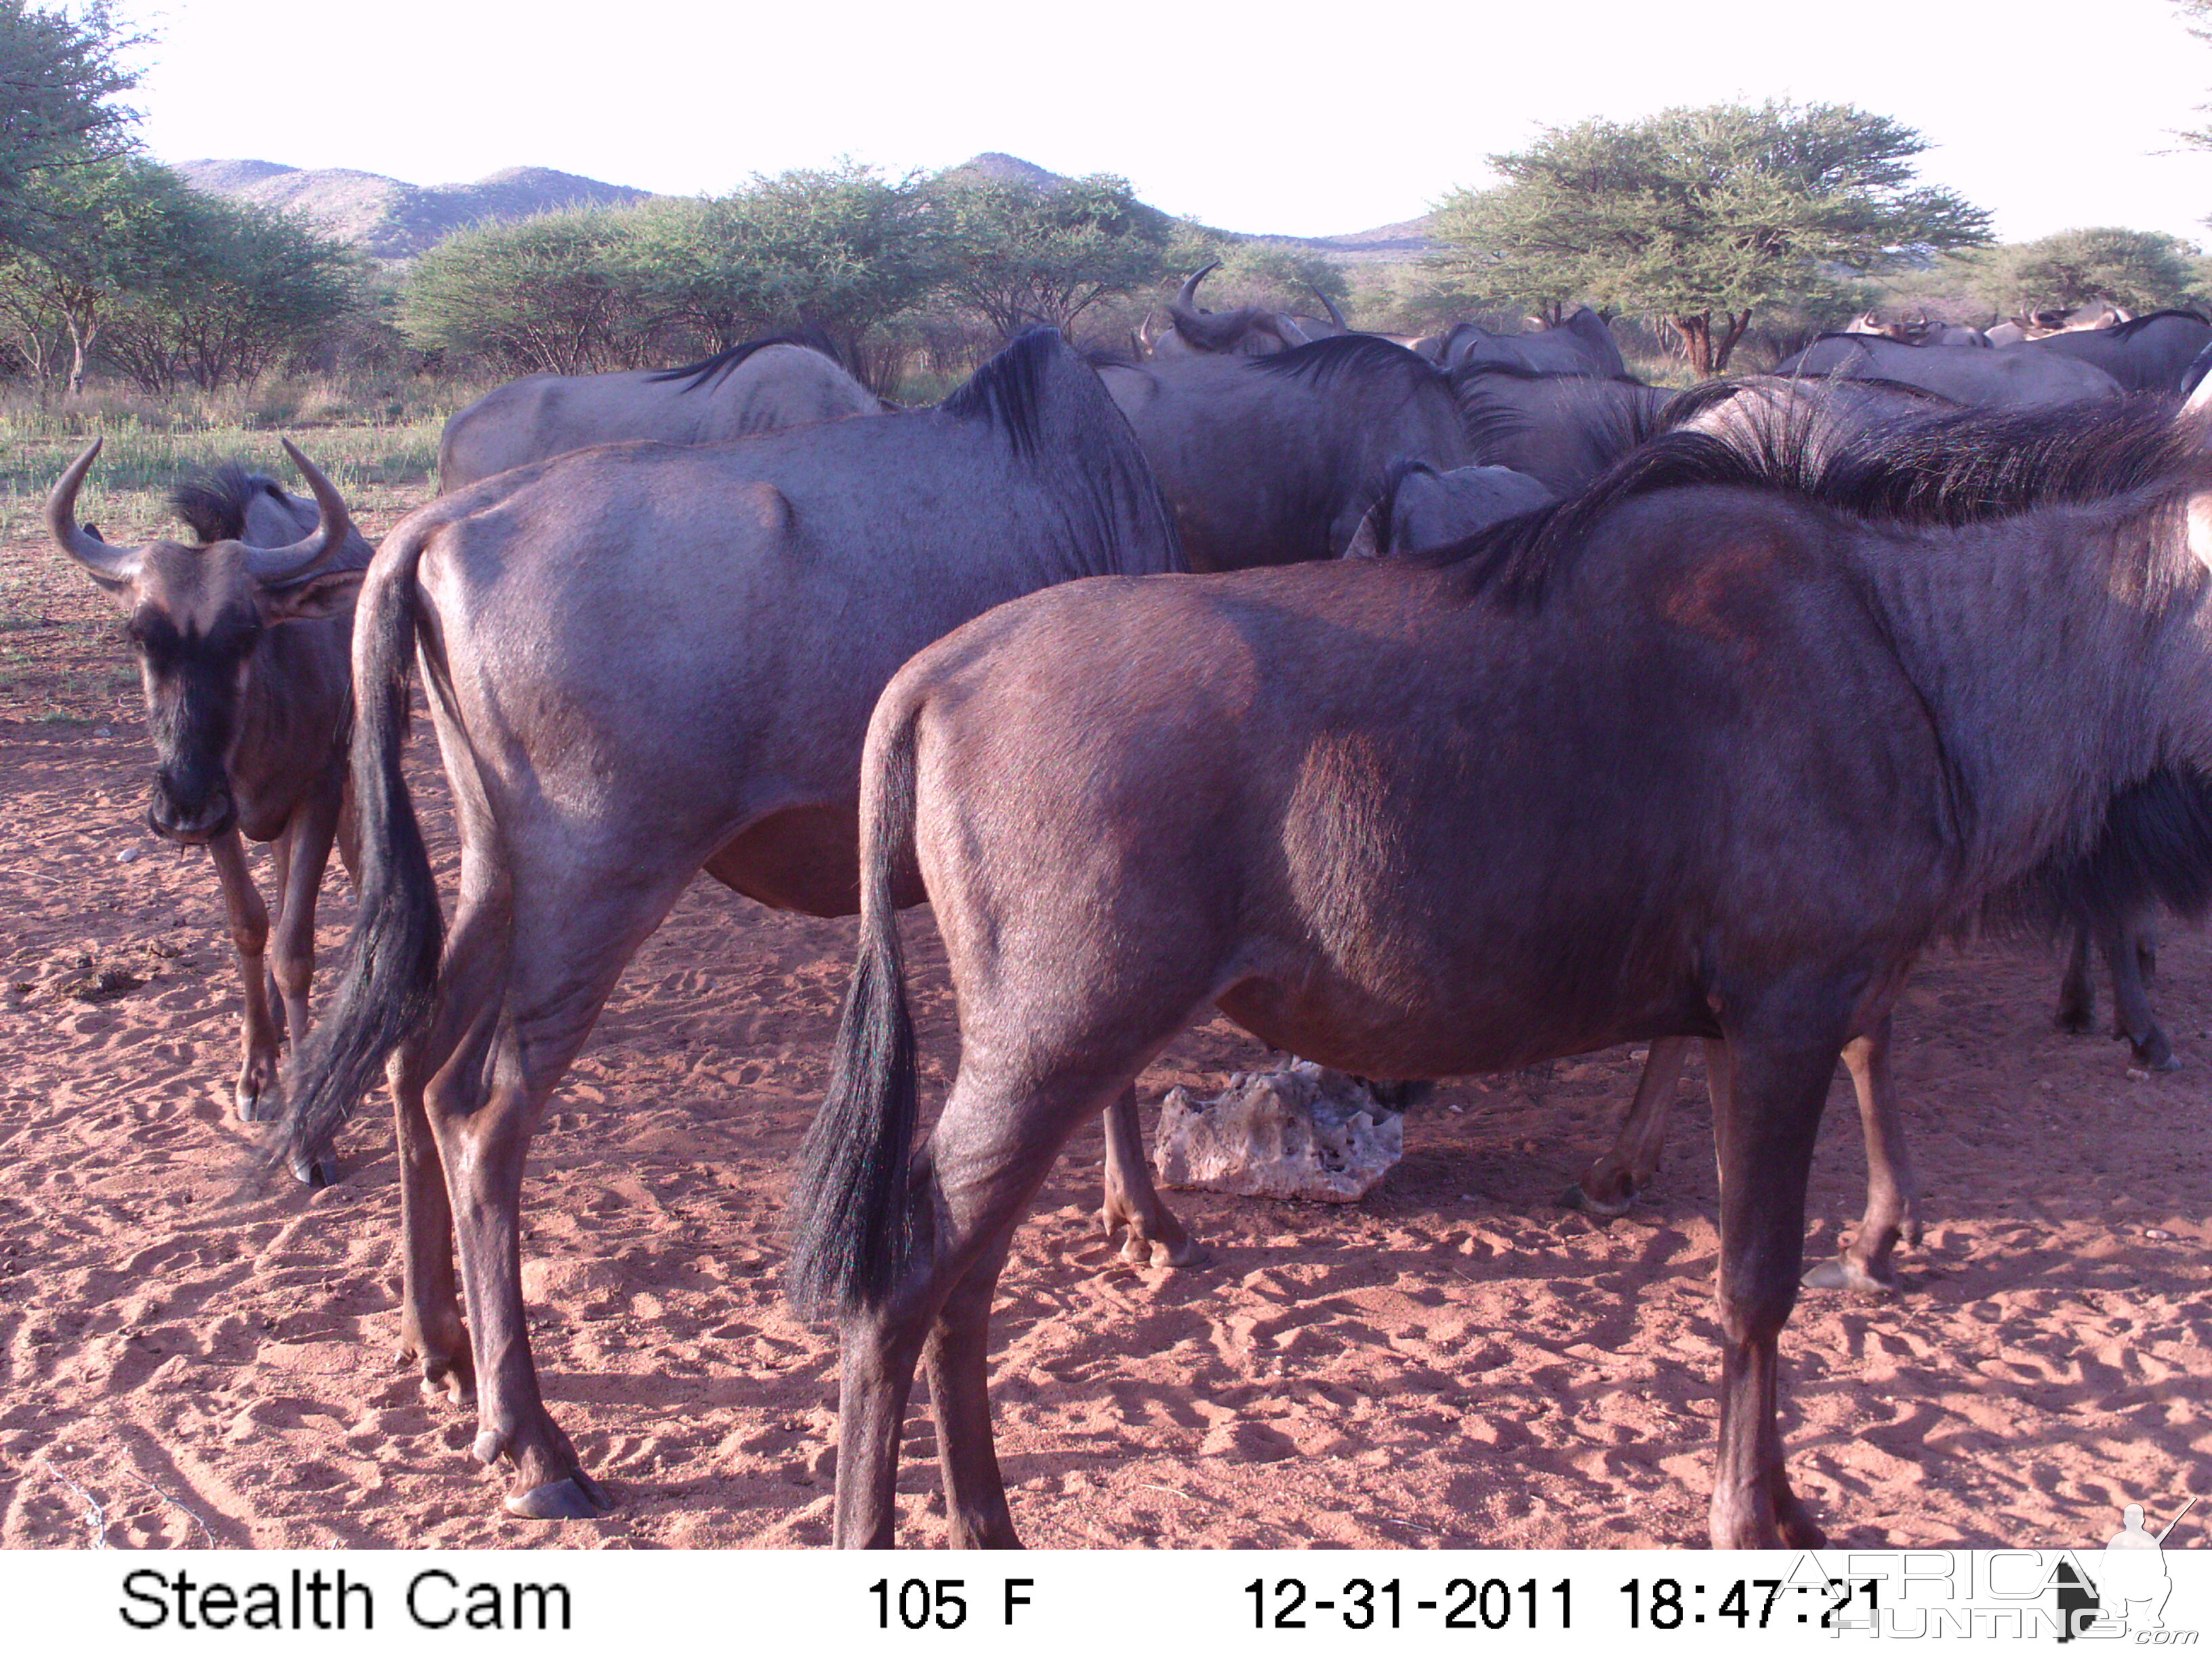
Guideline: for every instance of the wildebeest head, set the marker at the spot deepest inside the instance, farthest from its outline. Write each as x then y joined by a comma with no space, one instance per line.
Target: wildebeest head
196,615
1247,332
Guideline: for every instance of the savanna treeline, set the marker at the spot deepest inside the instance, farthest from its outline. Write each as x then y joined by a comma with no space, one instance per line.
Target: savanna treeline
1705,232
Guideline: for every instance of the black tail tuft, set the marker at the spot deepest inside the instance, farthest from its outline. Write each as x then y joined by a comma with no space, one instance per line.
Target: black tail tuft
854,1233
390,980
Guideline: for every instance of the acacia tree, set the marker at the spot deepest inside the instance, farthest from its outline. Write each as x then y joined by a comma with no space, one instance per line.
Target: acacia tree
58,77
246,289
1703,216
97,234
551,295
2142,270
839,251
1018,253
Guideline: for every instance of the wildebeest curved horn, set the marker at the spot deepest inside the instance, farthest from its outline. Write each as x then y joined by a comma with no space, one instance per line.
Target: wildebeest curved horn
1329,305
1186,298
111,566
279,567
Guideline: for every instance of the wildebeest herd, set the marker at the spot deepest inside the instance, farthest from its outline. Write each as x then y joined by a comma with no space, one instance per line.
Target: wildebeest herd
1428,707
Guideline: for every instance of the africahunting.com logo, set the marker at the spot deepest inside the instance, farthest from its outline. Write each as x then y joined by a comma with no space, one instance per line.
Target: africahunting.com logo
2119,1594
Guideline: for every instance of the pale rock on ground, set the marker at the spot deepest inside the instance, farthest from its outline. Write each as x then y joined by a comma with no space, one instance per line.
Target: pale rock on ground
1304,1132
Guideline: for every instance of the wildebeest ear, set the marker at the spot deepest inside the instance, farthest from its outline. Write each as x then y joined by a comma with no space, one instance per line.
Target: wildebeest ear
329,593
1366,542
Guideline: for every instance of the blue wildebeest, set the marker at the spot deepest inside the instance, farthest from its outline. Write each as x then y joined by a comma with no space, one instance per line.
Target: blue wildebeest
1265,459
1713,750
1247,332
1580,345
240,641
758,387
644,661
2010,377
2149,353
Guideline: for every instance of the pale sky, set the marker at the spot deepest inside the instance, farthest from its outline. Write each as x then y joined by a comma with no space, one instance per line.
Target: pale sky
1249,117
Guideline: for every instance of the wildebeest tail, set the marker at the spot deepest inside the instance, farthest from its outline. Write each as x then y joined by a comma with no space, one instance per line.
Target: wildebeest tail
391,969
853,1224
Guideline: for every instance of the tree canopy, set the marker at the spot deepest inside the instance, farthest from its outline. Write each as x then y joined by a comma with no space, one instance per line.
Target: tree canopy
1018,253
1703,216
58,77
2141,270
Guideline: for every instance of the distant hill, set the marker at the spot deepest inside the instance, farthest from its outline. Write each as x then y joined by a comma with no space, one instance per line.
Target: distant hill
392,220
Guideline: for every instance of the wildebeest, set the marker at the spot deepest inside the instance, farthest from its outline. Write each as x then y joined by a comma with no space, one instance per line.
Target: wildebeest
642,661
1561,429
2154,850
241,645
1713,749
758,387
2150,352
2009,378
1247,332
1267,458
1580,345
1420,509
1918,331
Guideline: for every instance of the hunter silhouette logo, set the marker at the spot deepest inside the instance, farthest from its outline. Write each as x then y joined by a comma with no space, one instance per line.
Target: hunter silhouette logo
2129,1586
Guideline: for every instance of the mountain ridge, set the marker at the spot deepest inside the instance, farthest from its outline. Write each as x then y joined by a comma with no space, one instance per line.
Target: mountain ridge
391,219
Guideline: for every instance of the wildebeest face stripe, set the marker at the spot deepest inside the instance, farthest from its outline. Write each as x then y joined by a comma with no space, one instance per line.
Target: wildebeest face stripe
193,682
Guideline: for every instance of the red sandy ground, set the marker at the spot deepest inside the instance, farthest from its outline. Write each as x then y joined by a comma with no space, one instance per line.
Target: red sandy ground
1453,1361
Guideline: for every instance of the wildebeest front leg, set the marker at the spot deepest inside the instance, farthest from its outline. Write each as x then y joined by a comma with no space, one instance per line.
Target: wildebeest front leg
249,933
300,854
1893,1203
1609,1185
1156,1238
2127,947
1766,1120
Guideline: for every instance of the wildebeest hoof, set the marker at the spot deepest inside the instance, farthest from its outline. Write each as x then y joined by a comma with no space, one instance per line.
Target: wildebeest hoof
1575,1198
1841,1272
2157,1055
2074,1022
1140,1250
579,1498
313,1174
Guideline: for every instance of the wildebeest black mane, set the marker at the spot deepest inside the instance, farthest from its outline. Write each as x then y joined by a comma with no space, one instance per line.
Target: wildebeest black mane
719,367
1942,469
1337,355
1512,370
1009,390
213,503
2122,331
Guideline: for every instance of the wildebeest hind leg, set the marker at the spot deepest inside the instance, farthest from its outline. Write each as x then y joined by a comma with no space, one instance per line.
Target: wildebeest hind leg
1892,1205
956,1361
1156,1238
1627,1166
568,944
471,980
970,1186
1767,1116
